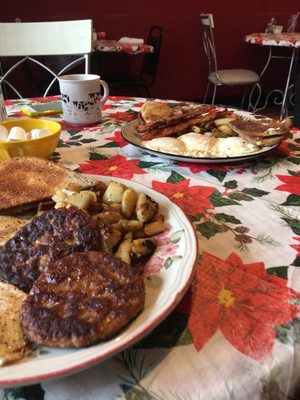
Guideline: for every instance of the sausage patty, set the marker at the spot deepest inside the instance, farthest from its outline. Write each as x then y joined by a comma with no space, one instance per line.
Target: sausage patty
54,234
82,299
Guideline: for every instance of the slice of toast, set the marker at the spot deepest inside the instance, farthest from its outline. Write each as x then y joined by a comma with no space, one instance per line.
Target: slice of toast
25,181
263,128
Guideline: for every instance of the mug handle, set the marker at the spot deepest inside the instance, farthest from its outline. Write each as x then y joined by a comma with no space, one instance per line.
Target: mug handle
105,93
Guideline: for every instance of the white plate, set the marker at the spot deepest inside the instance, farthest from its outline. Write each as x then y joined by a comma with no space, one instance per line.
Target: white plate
174,281
129,133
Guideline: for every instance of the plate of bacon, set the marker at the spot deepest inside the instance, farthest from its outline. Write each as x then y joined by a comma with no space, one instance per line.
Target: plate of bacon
203,133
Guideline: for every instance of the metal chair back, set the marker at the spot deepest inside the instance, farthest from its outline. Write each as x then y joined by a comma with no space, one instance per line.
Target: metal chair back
28,41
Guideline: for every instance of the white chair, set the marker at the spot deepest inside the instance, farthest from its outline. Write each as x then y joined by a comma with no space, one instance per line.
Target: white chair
225,77
28,40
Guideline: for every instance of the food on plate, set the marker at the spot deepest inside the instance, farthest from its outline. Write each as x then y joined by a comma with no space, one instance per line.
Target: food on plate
197,145
117,211
166,144
152,111
233,146
82,299
54,234
9,226
168,127
13,344
25,181
264,132
80,255
181,121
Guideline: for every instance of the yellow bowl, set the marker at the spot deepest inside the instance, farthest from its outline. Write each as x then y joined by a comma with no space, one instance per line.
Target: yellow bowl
42,147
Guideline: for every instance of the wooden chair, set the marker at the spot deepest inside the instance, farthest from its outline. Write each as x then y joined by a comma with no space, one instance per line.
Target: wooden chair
36,42
142,81
225,77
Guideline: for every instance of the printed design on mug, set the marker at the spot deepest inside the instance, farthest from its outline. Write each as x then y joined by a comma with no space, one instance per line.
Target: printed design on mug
86,106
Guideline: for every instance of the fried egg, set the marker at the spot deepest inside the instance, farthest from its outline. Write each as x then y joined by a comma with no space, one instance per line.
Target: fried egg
166,145
233,146
197,145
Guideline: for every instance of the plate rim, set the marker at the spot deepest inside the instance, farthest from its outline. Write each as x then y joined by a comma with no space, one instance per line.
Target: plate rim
148,328
181,158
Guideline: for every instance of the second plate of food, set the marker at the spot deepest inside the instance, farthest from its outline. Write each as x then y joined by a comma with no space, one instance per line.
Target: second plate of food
203,148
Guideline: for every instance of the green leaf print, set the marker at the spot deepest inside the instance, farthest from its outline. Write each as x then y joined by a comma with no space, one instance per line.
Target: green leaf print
169,261
227,218
292,200
240,196
109,145
62,144
72,132
33,392
135,393
289,333
171,332
255,192
296,262
231,184
145,164
294,160
209,229
176,236
97,156
294,224
218,200
281,272
74,143
87,140
175,177
293,173
76,137
220,175
293,147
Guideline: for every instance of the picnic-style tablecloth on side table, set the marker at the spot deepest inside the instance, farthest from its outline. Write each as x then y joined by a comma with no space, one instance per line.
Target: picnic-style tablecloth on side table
236,333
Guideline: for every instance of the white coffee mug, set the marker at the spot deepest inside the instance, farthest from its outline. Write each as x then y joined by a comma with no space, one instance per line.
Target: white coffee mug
81,98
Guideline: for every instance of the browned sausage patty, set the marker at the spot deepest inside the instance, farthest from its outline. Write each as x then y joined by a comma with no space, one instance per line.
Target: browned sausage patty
82,299
54,234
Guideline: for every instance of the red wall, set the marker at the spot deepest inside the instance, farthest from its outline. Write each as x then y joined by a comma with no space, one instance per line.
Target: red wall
182,69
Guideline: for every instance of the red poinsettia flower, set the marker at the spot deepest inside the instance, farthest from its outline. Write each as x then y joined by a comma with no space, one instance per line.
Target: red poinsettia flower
106,107
122,116
195,168
118,138
296,246
118,166
243,301
191,199
9,102
291,183
138,104
120,98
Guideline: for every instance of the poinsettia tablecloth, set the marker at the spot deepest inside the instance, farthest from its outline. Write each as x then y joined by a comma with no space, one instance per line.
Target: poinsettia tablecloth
236,333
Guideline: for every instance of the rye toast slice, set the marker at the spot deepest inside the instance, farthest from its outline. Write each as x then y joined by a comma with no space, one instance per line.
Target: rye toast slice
25,181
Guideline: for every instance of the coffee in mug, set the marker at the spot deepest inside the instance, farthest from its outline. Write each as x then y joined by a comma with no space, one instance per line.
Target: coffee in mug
81,98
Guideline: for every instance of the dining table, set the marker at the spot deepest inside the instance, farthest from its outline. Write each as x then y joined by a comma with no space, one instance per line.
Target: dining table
119,48
122,46
274,41
234,333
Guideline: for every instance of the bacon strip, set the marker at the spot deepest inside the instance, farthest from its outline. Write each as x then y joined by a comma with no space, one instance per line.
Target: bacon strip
179,125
